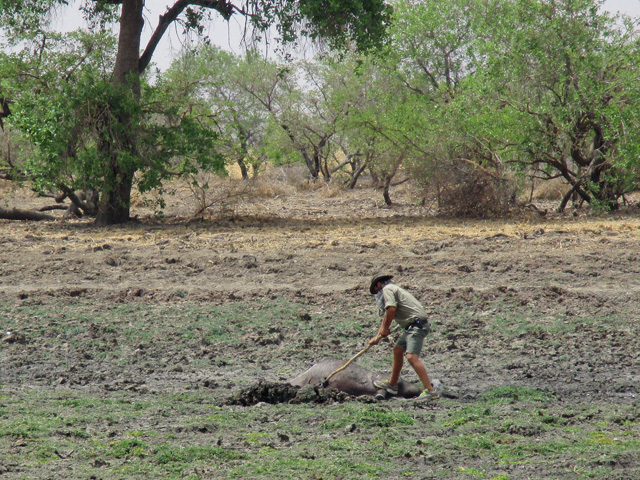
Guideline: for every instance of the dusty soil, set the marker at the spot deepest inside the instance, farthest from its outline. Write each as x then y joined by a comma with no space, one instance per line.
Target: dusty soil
319,249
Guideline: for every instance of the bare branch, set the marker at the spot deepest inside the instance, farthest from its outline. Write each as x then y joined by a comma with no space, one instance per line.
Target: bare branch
226,9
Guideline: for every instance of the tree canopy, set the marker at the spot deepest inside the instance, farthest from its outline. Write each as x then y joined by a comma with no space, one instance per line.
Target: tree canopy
126,136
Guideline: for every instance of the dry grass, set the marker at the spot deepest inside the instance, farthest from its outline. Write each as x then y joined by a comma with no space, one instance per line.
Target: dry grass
286,193
262,189
295,174
550,190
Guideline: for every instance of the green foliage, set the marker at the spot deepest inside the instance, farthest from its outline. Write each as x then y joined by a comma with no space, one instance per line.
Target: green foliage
18,16
217,86
28,18
71,119
106,137
49,93
174,141
362,21
563,74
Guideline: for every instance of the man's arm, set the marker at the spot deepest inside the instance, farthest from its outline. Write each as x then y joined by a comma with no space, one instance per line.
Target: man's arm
385,326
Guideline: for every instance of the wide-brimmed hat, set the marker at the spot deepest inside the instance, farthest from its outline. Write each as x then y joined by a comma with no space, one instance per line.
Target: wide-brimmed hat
378,278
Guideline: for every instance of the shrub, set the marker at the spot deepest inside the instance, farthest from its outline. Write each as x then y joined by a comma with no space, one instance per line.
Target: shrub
464,190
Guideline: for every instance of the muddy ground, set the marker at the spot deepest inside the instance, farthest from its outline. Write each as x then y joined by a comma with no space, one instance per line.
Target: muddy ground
318,249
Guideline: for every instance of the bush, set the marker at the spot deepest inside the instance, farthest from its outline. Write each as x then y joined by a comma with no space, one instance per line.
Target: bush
464,190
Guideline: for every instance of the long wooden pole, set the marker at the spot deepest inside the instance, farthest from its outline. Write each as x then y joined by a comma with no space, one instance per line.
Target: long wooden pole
361,352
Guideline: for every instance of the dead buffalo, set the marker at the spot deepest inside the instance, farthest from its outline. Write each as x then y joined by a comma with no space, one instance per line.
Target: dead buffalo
354,380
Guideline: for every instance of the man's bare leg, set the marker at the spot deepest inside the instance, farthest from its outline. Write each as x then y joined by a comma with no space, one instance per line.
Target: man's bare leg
420,370
396,366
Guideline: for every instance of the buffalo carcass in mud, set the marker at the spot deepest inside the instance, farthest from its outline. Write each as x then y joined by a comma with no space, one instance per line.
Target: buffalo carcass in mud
353,380
312,386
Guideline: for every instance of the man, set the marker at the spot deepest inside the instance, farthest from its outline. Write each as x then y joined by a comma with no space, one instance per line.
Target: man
395,303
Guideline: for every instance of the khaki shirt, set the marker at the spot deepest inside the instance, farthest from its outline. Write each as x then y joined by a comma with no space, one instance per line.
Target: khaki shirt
407,306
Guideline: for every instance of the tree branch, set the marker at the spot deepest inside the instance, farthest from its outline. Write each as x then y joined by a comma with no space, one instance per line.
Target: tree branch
165,20
77,201
226,9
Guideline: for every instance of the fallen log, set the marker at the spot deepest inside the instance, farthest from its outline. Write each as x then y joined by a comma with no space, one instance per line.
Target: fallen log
17,214
53,207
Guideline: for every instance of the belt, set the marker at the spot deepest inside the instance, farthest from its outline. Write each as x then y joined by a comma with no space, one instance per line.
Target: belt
418,324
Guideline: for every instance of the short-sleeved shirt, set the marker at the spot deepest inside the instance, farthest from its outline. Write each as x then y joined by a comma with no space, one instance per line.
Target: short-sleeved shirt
408,308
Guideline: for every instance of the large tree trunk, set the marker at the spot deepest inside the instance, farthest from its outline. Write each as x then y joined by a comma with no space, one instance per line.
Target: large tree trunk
115,198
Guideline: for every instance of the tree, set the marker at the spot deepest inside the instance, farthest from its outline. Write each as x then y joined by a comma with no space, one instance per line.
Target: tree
65,104
316,112
433,44
362,22
402,122
435,58
543,87
217,83
49,83
566,75
295,98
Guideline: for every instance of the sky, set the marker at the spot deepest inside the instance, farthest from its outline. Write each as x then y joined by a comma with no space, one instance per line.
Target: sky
228,35
630,7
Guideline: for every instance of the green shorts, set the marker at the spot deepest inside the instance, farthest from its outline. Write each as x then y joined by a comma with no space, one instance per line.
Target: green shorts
411,340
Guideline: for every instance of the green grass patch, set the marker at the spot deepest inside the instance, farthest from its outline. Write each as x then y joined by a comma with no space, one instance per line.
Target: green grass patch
370,417
515,394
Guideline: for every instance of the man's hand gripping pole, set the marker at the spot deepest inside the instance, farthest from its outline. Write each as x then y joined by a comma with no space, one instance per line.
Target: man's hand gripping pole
325,382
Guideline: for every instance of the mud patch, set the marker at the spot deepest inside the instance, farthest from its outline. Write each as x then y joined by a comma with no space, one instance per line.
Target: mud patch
274,392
